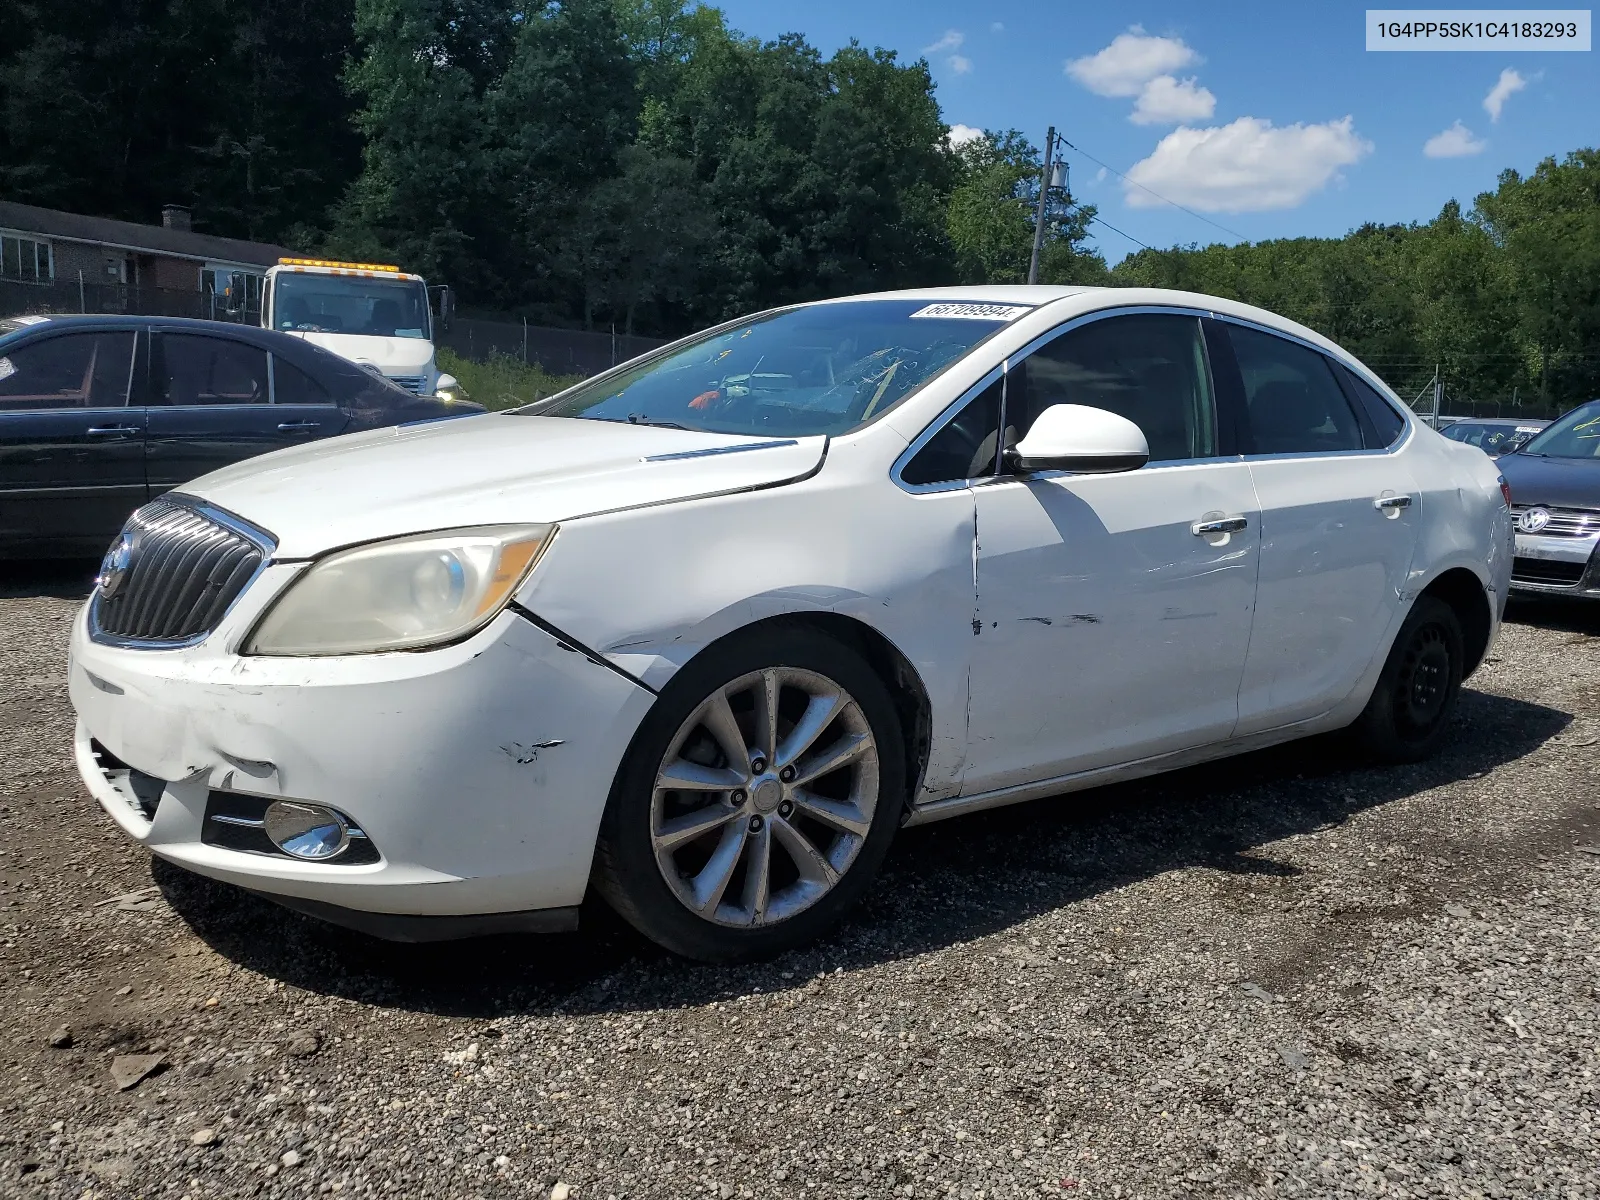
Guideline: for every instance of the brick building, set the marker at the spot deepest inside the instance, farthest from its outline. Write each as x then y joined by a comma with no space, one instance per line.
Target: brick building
42,246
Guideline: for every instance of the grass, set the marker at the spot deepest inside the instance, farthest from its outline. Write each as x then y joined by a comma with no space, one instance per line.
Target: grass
503,381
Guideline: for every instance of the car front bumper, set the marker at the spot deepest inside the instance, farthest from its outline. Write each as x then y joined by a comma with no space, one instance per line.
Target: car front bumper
1556,566
478,772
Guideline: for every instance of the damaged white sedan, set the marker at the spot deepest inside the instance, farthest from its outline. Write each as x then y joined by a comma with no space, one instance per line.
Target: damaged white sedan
703,632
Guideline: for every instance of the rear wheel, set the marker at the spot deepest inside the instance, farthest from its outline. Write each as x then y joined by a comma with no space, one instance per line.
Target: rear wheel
1409,713
757,800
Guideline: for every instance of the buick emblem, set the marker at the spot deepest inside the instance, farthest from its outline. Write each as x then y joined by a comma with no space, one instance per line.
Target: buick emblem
114,567
1533,520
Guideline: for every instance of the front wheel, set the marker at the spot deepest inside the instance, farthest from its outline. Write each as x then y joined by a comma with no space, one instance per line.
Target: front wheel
1409,713
757,800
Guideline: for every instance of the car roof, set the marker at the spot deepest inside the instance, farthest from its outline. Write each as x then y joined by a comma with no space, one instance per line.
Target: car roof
1522,421
62,321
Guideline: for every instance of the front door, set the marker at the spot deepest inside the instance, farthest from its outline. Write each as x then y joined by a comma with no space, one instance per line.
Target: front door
71,445
1339,521
1114,611
210,405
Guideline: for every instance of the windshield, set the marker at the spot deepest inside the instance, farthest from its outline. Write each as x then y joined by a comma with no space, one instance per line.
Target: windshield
305,302
1576,435
825,368
1493,439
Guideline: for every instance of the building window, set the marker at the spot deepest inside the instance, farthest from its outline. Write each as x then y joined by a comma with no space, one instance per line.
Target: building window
26,258
214,280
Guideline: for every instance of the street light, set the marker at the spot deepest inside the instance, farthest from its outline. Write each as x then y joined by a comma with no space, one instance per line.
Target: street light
1052,176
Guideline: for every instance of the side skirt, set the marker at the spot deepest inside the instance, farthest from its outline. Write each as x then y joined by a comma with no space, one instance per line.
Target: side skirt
955,806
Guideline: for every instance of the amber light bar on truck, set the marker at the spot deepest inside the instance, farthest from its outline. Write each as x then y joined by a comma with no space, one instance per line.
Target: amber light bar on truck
347,266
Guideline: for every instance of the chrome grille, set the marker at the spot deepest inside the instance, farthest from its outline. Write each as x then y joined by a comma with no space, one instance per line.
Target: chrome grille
183,565
1564,522
411,383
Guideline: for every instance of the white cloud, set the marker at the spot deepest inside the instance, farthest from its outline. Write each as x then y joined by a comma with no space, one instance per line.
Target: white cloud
1246,166
959,63
1509,83
960,135
997,27
1168,101
1129,62
1455,142
952,40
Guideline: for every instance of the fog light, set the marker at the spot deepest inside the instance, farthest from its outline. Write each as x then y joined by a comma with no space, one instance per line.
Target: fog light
306,830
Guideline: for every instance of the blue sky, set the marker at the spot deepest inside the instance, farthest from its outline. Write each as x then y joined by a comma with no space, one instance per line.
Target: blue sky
1225,144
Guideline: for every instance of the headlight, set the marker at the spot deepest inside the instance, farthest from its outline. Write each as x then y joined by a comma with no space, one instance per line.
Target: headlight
402,594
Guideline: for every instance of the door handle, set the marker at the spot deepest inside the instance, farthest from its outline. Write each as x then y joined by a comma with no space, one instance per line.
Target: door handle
299,426
1391,503
1220,525
112,430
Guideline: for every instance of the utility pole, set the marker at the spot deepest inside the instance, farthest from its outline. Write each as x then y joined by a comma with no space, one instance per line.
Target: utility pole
1044,191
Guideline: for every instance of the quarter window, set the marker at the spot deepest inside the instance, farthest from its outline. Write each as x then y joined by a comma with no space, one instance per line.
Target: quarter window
1293,402
209,370
964,448
1147,367
291,385
78,370
1386,423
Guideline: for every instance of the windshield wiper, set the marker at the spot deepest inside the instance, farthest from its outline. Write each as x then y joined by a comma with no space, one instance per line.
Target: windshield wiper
641,419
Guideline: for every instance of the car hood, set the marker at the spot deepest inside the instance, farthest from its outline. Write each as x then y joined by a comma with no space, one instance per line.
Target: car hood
487,470
391,355
1562,482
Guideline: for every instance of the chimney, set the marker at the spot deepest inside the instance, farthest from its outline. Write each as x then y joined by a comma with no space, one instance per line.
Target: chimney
175,216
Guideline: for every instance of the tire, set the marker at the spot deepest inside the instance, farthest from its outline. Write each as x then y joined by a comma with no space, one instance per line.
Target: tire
1408,716
663,851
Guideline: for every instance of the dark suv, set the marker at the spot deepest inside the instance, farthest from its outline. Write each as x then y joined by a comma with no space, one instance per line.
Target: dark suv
100,413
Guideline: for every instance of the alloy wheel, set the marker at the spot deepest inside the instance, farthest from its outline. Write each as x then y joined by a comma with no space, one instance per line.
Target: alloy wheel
765,797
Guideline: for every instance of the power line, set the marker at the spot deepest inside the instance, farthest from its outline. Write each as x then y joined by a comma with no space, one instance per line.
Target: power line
1158,195
1097,220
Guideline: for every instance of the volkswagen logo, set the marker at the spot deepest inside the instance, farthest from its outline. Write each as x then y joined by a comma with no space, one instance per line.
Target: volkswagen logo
1533,520
114,566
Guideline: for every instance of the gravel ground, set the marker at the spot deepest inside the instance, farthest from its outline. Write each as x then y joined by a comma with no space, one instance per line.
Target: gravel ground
1282,975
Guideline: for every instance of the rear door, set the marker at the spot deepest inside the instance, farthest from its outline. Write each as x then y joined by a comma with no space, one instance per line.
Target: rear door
71,444
1340,512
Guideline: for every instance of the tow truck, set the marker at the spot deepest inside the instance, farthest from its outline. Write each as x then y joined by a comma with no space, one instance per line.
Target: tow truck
376,315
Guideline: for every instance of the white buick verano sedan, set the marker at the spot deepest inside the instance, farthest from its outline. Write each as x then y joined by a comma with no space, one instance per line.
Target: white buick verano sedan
703,632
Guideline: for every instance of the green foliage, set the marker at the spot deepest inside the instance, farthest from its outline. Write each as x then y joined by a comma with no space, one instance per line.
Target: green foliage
502,381
638,164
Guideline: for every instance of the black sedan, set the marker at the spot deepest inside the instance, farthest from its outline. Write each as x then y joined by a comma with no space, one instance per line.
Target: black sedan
1555,499
100,413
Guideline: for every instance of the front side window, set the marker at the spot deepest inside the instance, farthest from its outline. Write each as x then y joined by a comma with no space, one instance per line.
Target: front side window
1576,435
1147,367
964,447
309,302
822,369
210,370
76,370
1293,402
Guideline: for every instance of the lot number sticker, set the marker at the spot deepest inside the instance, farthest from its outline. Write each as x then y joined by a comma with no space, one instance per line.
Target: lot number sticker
973,312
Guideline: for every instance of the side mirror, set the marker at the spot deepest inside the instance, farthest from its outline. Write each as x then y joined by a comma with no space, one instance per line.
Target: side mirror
1075,437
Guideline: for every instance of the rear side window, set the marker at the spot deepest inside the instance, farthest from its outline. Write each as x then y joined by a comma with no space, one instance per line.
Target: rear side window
291,385
1293,402
75,370
1385,421
210,370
